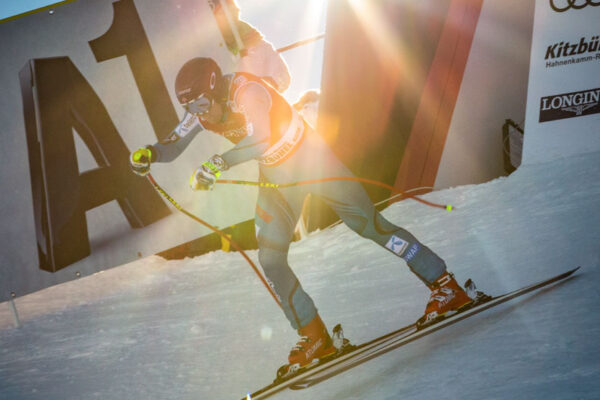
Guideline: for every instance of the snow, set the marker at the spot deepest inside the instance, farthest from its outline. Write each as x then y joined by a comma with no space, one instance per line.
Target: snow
205,328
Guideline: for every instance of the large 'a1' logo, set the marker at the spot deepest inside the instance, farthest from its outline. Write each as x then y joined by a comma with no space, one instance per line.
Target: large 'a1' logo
566,5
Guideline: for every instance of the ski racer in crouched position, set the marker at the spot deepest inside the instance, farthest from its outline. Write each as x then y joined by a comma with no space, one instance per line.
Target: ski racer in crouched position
264,127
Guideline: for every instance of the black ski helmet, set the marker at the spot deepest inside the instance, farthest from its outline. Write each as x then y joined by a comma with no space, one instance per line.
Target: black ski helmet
199,76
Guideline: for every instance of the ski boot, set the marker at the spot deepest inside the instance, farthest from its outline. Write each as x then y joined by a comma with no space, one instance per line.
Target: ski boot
314,345
447,298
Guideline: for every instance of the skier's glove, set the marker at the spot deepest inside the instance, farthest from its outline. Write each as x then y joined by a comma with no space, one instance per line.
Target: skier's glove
205,177
140,160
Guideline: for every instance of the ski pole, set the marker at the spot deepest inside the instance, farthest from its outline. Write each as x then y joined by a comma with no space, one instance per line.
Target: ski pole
214,229
300,43
447,207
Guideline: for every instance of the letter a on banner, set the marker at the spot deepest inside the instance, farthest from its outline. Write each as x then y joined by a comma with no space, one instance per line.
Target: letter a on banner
56,100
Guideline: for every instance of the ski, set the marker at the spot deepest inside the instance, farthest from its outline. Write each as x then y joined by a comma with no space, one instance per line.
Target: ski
359,354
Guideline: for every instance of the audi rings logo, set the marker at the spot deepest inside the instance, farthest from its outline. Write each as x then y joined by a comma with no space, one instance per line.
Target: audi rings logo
566,5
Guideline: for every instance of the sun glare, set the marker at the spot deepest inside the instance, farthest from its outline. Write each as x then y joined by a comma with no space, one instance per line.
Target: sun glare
312,18
391,49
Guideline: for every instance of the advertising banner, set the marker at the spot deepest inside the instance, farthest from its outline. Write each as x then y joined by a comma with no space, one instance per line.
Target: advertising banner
84,84
563,101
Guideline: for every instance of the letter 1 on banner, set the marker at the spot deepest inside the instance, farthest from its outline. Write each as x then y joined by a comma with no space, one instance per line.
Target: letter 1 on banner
64,101
126,37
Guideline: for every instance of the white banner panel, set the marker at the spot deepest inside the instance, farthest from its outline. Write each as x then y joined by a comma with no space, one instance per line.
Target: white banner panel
563,101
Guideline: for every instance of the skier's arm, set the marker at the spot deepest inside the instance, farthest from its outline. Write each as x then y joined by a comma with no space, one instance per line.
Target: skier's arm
255,104
168,149
261,59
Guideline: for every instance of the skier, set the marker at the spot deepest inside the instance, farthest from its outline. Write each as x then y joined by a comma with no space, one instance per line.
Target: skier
264,127
258,56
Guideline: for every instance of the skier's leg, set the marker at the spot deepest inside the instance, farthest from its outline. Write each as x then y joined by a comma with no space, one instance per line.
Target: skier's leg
275,222
350,201
359,213
276,218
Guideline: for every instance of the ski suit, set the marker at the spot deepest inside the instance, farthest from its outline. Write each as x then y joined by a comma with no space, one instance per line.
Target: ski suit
265,127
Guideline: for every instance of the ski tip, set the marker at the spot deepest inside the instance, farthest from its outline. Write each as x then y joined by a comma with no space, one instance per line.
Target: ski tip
567,273
571,272
300,386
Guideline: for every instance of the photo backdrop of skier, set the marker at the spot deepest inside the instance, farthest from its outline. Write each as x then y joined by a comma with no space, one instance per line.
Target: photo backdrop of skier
75,106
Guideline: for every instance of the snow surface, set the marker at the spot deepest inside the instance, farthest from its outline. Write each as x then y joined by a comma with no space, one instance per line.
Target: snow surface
205,328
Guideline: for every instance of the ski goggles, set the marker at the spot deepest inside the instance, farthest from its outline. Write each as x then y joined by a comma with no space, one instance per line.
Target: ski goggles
200,105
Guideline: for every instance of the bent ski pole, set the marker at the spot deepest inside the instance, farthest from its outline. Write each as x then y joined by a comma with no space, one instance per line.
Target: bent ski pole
214,229
447,207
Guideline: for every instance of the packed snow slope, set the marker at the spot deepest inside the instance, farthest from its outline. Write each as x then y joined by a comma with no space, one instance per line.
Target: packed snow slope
205,328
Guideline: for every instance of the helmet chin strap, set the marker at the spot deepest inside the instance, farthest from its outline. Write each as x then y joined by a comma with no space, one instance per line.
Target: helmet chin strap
222,95
222,90
225,112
